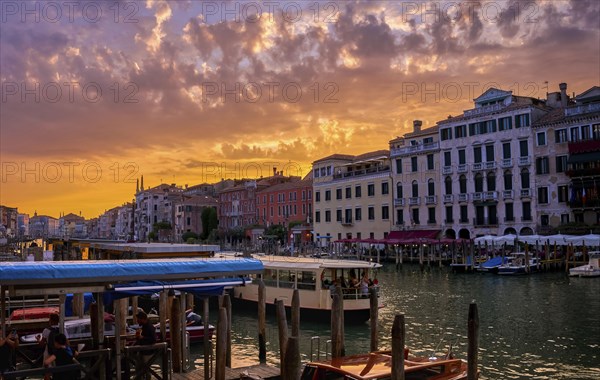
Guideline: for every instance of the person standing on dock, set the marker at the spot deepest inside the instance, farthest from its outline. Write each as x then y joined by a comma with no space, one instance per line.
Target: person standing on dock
8,346
144,336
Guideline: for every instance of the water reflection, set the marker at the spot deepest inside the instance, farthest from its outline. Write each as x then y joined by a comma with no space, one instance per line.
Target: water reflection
543,326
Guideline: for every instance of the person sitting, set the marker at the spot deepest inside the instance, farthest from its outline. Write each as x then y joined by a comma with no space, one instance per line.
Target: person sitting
192,319
8,346
62,356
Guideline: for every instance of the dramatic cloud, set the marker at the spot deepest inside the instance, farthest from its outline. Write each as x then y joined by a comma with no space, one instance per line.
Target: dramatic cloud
190,91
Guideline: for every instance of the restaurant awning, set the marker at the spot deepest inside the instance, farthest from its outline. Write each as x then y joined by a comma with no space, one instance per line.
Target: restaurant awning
584,157
414,234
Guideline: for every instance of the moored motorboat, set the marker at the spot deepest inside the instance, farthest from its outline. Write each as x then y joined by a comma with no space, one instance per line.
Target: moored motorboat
378,365
492,264
517,264
591,269
314,279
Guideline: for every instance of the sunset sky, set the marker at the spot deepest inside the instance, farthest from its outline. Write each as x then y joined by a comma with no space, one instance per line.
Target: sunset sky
315,78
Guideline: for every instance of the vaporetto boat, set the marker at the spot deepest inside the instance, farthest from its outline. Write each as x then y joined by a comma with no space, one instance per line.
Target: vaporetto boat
314,278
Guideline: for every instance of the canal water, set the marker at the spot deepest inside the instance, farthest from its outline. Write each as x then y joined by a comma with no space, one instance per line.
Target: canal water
541,326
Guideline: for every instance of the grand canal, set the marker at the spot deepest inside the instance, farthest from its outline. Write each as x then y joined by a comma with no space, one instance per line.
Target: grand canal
542,326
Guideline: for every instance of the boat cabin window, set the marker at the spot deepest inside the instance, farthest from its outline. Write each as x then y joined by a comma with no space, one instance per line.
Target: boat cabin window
306,280
287,278
270,277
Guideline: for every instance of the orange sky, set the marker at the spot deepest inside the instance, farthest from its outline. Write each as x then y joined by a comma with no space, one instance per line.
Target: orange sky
90,104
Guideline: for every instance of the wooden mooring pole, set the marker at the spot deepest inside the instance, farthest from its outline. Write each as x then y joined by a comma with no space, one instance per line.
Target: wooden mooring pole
283,329
227,306
291,366
473,344
176,333
373,318
296,314
398,337
222,325
207,344
262,337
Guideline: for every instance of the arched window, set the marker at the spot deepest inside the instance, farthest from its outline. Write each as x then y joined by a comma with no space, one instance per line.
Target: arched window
448,183
399,192
478,183
525,179
430,187
463,184
508,180
491,182
415,189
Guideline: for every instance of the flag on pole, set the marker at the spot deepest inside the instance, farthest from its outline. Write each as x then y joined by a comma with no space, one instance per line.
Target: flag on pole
583,196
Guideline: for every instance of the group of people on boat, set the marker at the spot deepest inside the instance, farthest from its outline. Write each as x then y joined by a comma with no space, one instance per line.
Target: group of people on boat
352,285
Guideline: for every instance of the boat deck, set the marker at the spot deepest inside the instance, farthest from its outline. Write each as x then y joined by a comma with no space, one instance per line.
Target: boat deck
263,371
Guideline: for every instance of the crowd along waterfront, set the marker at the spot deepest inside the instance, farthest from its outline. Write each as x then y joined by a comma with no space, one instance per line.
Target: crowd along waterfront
538,327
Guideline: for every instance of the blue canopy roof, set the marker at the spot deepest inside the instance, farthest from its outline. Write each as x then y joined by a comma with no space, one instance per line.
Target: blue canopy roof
105,271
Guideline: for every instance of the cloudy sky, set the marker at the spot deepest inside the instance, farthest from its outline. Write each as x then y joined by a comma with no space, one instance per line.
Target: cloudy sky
97,93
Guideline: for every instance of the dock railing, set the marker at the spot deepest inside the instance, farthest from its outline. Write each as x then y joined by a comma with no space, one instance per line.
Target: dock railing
145,362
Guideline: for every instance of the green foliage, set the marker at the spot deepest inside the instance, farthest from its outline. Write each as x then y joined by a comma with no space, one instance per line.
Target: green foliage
276,230
187,236
294,224
210,221
162,226
152,236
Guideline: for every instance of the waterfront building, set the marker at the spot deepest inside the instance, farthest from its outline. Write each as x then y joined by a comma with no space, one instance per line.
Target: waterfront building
288,203
71,225
188,213
352,197
22,225
155,212
124,222
488,167
415,161
203,189
43,226
8,220
573,176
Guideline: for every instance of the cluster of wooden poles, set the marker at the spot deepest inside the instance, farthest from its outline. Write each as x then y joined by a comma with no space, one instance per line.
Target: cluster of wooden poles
289,345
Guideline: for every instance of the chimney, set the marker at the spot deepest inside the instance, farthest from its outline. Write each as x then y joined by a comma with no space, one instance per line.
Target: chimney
563,94
417,125
274,171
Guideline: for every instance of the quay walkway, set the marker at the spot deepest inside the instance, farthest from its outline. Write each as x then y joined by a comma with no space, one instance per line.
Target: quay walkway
258,371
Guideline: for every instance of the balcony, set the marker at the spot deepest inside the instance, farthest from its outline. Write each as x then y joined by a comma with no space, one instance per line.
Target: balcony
525,193
398,201
477,197
463,197
463,221
414,201
478,166
526,218
447,170
347,222
524,161
582,109
419,148
484,222
509,219
490,165
430,200
490,195
507,194
484,109
361,172
448,198
589,172
462,168
400,222
507,163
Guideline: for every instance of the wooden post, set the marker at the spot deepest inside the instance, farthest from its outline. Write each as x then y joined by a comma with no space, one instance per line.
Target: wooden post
162,315
296,313
291,367
397,259
3,310
342,323
473,344
134,307
335,321
118,312
398,336
62,298
189,301
527,258
94,324
421,263
262,342
207,347
227,306
373,319
78,304
184,342
283,329
176,332
222,325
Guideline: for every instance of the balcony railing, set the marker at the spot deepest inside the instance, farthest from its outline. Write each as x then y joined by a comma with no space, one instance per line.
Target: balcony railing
490,195
398,201
347,222
589,172
430,200
484,109
582,109
485,221
447,170
507,194
361,172
478,166
414,201
526,218
462,168
414,149
507,162
463,220
509,219
524,161
448,198
477,197
463,197
490,165
525,193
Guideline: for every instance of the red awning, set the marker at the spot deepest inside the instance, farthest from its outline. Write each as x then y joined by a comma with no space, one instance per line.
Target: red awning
414,234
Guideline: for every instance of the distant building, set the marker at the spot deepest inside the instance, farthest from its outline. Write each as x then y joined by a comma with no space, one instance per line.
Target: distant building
188,214
8,220
155,206
124,222
352,197
43,226
71,226
203,189
23,225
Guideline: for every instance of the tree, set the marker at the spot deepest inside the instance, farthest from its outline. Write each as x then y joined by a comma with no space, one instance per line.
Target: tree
209,221
189,236
276,230
152,236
